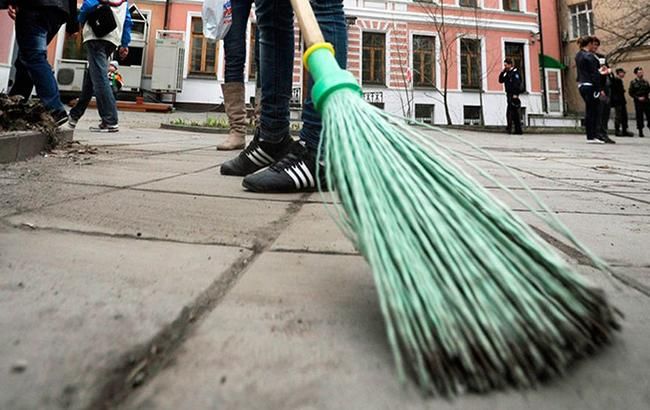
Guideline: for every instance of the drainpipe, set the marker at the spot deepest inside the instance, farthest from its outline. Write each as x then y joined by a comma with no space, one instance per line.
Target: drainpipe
541,60
166,22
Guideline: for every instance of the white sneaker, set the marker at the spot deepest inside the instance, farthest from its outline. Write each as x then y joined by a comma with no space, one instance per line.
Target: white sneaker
595,141
72,123
105,128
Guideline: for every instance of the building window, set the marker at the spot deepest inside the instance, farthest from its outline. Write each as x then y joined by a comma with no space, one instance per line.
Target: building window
424,113
472,114
468,3
470,63
203,57
374,58
516,52
511,5
252,68
582,20
424,58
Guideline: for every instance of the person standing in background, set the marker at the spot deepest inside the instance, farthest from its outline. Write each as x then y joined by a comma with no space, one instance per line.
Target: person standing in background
511,79
640,92
604,108
617,100
589,85
233,88
37,22
98,51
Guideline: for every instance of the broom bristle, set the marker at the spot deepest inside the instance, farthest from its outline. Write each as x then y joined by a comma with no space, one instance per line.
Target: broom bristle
473,299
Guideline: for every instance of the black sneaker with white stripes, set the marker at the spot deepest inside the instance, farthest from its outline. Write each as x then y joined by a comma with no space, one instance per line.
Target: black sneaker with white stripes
257,155
296,172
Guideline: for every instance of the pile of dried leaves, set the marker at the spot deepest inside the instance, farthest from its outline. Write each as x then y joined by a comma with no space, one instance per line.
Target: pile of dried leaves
18,114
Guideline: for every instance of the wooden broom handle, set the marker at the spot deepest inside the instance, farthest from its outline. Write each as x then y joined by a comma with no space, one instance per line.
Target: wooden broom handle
309,28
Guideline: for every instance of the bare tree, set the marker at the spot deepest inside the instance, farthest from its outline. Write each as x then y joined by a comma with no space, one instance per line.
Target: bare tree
626,27
437,14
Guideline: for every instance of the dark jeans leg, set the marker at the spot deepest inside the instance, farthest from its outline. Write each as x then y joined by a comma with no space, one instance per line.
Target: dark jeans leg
33,30
99,52
591,111
509,116
275,25
84,99
604,110
514,120
234,44
638,112
331,19
23,84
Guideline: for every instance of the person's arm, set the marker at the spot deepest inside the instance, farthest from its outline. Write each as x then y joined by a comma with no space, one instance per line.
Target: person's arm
633,89
86,7
71,24
126,32
502,76
516,83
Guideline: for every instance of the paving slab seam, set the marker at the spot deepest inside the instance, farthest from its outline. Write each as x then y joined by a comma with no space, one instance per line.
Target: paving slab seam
313,252
261,198
142,363
582,259
100,234
108,191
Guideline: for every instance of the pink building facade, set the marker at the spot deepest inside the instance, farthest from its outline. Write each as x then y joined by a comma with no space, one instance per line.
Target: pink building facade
404,53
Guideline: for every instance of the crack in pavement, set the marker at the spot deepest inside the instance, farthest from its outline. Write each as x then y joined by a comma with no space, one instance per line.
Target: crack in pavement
142,363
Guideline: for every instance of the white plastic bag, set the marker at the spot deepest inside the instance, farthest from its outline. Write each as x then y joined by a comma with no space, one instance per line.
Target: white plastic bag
217,18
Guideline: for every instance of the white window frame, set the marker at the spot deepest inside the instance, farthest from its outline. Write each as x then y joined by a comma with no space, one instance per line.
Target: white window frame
436,47
589,12
522,7
386,58
546,93
484,73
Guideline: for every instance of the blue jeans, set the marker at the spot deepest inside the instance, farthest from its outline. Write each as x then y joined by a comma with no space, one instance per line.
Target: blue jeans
592,106
34,30
96,82
234,44
275,25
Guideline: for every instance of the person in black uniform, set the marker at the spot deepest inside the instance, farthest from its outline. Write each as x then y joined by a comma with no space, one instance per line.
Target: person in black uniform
589,84
511,79
605,107
640,92
617,100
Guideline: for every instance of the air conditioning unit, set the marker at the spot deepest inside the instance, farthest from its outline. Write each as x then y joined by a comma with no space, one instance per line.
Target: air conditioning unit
70,74
168,62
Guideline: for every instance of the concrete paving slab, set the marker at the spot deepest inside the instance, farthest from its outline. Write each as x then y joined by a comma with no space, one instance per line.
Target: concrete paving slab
114,173
211,182
313,230
67,321
305,332
178,217
21,195
619,239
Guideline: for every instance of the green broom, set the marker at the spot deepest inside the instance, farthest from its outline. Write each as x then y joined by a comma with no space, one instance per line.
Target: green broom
473,299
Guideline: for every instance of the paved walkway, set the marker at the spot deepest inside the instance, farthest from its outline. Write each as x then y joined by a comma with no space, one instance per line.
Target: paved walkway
136,275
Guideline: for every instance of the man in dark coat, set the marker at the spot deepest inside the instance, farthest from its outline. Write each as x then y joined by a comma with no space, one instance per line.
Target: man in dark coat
511,79
37,22
640,92
617,100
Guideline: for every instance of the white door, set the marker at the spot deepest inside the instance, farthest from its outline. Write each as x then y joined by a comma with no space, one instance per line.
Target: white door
554,100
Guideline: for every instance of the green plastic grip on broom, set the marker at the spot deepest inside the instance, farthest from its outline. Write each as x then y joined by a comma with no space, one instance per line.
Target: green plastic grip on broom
328,76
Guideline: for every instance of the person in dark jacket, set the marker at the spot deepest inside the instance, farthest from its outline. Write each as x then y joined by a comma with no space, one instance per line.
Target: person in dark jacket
37,22
511,79
605,106
640,92
617,100
587,65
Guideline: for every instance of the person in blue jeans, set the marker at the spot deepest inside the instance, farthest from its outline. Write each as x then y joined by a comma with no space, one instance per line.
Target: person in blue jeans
98,52
37,22
292,165
233,88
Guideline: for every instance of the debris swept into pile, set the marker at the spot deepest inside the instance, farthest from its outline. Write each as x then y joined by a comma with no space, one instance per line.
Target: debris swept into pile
18,114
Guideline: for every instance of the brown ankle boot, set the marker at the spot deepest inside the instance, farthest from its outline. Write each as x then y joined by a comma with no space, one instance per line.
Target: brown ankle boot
233,99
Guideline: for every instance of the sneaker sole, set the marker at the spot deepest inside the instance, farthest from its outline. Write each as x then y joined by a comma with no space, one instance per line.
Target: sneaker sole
104,130
255,189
